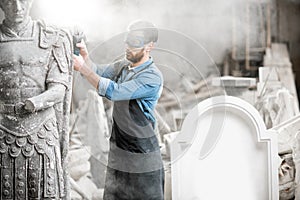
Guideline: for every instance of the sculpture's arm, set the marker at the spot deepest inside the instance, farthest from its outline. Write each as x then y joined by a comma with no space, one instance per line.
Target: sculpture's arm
57,80
53,95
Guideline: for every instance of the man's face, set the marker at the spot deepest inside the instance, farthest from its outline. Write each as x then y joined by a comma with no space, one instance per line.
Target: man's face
16,11
134,55
135,46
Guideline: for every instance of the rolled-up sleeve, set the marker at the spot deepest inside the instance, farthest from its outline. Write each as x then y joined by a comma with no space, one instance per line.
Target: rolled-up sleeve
142,86
103,85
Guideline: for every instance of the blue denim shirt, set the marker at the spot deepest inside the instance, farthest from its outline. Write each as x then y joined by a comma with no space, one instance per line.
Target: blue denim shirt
143,83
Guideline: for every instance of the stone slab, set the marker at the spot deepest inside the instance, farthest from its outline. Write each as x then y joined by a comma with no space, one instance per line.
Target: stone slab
230,81
224,152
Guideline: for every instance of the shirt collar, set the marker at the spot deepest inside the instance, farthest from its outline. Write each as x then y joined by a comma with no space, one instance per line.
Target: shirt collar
142,66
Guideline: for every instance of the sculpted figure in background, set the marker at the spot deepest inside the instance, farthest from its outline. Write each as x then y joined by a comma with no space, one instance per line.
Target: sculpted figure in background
35,76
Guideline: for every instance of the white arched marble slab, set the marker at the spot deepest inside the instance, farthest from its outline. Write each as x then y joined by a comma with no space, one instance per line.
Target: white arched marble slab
224,152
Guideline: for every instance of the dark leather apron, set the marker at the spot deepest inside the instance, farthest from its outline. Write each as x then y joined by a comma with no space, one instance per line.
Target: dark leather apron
135,168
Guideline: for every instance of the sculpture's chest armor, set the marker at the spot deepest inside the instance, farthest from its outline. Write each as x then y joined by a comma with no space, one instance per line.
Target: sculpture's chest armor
23,69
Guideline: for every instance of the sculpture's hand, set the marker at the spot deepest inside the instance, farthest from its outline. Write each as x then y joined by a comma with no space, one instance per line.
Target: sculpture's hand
29,106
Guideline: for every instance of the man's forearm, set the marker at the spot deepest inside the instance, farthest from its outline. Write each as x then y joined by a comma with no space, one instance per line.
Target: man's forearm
90,75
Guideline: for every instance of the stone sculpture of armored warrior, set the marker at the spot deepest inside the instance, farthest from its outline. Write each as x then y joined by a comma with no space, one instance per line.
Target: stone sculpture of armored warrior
35,77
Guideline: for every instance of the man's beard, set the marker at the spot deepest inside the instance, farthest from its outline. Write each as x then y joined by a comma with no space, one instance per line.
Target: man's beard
135,58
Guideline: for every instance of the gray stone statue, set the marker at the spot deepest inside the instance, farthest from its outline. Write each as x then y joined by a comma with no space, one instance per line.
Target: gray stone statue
35,88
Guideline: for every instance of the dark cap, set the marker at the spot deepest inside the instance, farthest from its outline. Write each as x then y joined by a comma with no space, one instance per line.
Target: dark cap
141,33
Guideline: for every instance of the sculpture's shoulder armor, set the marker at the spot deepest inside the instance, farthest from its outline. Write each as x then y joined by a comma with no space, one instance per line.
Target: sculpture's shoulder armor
60,41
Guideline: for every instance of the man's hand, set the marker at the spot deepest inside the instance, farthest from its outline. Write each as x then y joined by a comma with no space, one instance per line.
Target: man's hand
82,60
83,50
78,62
83,64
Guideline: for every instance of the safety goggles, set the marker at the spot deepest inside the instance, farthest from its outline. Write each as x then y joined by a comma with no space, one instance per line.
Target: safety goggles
134,40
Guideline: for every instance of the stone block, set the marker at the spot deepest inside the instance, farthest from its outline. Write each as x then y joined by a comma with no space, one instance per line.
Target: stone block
229,81
271,86
79,156
87,186
278,55
77,171
98,195
268,74
75,196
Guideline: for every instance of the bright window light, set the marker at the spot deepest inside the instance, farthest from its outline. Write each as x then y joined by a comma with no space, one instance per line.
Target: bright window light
68,12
